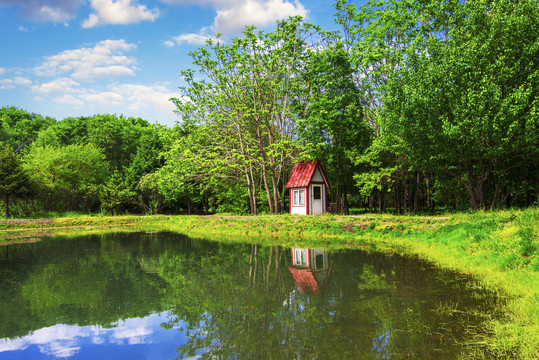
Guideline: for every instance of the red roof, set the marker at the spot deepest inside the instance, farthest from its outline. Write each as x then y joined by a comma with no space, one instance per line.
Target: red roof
305,281
303,172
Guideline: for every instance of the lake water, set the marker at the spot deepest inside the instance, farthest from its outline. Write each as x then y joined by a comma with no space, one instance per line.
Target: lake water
166,296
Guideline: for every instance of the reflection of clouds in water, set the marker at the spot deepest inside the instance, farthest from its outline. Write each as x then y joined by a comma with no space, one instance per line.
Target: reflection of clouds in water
134,331
58,340
62,341
11,345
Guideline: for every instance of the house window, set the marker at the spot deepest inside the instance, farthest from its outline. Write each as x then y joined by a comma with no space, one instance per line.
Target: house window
299,197
317,193
301,257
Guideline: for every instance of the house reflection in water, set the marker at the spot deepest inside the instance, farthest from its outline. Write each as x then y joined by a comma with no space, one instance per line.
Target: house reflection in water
311,270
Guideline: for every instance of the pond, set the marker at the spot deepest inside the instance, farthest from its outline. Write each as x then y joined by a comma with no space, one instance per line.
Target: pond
167,296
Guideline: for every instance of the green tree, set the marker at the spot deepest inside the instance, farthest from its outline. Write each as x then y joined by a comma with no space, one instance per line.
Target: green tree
195,171
468,105
14,183
117,136
245,103
20,128
69,177
131,146
379,35
334,123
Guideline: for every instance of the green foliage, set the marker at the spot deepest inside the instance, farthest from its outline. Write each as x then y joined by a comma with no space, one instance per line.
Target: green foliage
14,181
69,177
465,105
117,197
119,138
132,149
413,106
20,128
333,124
241,115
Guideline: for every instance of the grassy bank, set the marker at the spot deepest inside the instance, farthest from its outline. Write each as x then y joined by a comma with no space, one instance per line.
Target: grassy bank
500,249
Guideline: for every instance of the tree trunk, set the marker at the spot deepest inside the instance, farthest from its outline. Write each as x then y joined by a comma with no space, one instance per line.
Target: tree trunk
381,201
250,193
496,191
266,185
482,193
253,184
346,206
471,196
337,190
416,194
477,190
7,207
398,196
430,202
251,190
205,205
276,197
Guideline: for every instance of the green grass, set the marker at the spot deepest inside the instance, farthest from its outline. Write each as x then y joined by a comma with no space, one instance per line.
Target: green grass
501,249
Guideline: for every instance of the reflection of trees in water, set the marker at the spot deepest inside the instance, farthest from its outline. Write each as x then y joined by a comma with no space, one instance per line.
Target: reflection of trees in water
92,280
236,299
246,302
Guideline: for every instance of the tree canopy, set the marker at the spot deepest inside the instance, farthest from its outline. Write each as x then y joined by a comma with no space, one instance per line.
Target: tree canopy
410,106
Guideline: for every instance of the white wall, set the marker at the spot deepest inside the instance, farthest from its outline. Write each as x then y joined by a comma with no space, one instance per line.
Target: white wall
298,210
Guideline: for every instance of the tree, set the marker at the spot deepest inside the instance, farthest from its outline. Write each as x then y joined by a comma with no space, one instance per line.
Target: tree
131,146
69,177
117,136
245,103
20,128
333,124
379,36
14,183
468,105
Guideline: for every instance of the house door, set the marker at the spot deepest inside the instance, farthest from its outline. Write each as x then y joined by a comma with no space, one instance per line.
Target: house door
318,204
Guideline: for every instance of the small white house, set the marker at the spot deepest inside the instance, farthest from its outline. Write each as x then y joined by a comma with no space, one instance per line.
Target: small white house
308,186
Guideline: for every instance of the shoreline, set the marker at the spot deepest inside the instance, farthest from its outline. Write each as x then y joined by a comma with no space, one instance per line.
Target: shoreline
500,249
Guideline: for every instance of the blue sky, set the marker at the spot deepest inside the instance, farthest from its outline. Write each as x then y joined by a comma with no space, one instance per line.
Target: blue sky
64,58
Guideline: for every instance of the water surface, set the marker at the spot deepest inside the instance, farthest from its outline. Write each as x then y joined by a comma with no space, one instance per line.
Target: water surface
167,296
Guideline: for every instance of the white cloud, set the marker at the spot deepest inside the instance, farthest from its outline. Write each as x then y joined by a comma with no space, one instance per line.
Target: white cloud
194,39
119,12
60,84
69,99
10,83
23,29
45,10
167,43
142,96
234,15
19,80
105,59
6,84
255,12
104,98
54,14
212,3
105,71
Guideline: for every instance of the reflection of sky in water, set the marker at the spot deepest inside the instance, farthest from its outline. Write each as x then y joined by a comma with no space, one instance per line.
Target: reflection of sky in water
138,338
